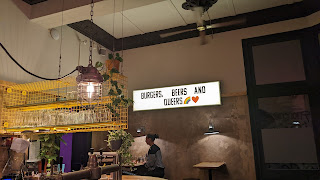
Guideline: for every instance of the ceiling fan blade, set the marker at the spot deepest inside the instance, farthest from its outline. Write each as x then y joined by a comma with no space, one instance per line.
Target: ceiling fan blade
164,35
227,23
202,35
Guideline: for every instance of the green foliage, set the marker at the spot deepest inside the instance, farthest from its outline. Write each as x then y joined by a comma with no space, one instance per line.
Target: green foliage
49,147
113,70
118,57
127,140
110,56
118,98
105,76
99,64
116,92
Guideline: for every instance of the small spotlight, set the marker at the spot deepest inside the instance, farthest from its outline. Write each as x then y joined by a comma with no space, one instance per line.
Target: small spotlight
211,130
296,124
140,130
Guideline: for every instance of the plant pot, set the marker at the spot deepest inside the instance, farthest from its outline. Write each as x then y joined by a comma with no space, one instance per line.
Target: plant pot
116,144
112,63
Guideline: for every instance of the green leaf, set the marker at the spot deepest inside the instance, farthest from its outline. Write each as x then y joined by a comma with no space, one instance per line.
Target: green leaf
120,59
110,55
116,102
111,92
105,76
114,83
117,55
98,64
119,91
113,70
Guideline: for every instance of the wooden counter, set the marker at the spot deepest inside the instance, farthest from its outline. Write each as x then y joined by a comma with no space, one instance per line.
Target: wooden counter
128,177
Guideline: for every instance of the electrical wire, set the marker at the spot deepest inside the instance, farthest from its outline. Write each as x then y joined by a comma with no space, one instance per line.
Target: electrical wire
114,15
60,57
179,13
122,36
50,79
210,24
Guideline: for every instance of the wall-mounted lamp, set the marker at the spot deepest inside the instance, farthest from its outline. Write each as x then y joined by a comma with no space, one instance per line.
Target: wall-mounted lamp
141,130
211,130
296,124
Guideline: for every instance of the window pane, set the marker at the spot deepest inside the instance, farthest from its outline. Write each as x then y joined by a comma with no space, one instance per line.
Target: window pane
287,133
278,62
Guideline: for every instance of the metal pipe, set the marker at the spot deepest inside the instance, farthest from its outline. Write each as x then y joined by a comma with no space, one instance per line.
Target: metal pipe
82,174
110,168
92,172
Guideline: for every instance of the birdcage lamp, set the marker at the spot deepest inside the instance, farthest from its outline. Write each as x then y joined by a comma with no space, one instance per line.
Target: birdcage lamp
89,84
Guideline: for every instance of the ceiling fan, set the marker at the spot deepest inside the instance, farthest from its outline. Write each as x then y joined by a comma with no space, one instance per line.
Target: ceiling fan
199,7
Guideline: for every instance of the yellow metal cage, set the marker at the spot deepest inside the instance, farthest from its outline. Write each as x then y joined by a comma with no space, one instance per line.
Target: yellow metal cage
53,107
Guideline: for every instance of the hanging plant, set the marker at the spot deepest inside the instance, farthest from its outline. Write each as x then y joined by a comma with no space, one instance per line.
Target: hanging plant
113,62
126,140
116,91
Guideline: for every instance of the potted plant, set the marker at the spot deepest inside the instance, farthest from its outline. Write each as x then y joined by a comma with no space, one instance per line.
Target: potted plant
49,147
116,91
113,62
125,139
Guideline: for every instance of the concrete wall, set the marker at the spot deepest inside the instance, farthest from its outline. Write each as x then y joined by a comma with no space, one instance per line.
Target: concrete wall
33,47
183,143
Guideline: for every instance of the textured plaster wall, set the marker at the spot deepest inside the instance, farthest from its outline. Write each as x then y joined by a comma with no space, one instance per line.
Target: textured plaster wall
183,144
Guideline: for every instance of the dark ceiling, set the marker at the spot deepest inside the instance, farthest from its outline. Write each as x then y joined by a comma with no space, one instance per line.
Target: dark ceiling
256,18
32,2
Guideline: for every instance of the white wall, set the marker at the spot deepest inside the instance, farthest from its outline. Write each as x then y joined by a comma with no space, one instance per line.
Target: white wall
186,61
33,47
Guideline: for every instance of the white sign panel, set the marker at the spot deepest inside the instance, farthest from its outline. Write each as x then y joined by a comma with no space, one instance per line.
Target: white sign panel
203,94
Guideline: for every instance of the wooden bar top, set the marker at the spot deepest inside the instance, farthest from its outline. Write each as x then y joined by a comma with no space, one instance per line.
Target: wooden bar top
128,177
209,165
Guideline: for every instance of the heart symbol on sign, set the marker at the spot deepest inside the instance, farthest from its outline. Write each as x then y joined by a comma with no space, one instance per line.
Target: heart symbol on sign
195,99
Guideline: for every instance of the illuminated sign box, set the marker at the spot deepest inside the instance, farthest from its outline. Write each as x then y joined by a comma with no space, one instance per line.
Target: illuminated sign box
202,94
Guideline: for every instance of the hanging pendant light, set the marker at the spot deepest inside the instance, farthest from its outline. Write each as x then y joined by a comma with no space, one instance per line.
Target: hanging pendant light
89,80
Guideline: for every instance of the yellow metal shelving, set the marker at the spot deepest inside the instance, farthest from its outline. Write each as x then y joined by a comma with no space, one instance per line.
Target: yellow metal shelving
52,106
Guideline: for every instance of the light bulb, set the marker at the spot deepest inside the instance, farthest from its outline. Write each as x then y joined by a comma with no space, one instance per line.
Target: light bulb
90,90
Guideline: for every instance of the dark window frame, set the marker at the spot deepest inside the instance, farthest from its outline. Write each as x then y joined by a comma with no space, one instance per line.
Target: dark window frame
311,86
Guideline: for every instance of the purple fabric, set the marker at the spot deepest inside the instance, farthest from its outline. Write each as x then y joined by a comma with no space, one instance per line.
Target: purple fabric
66,151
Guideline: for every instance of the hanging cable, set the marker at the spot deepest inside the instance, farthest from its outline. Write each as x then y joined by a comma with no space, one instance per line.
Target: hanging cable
5,50
210,24
122,36
61,39
114,14
60,57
